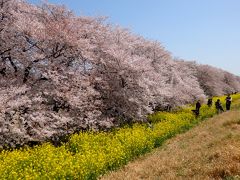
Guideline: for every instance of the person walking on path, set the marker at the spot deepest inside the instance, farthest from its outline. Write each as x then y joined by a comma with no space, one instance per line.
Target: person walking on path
218,106
228,102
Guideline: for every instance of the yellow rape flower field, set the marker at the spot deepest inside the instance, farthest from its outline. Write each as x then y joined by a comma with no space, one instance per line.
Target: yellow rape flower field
88,155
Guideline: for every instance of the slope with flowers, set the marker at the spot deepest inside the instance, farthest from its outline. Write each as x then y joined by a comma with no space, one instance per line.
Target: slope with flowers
88,155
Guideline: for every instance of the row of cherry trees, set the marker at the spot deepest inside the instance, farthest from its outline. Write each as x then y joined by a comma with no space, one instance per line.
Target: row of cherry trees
60,73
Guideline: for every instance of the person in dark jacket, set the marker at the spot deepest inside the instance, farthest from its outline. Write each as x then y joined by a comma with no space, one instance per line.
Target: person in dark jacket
209,102
228,102
198,106
218,106
197,110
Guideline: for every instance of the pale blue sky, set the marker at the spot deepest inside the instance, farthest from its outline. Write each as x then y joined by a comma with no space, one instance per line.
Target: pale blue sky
207,31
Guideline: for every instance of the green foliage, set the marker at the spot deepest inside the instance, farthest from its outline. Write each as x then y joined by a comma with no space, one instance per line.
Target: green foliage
88,155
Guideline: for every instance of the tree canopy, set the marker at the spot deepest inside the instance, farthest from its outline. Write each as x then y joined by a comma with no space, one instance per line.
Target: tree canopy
61,73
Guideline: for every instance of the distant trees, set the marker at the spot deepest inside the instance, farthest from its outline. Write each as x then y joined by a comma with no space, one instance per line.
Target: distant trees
217,82
60,73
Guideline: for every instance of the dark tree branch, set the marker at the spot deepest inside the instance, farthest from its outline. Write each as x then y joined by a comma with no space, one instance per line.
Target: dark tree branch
26,73
3,71
13,64
3,52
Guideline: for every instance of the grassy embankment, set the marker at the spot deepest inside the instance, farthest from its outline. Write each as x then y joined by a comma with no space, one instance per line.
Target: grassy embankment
208,151
88,155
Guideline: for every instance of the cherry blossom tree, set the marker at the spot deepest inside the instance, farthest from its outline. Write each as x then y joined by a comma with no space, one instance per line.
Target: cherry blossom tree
216,82
60,73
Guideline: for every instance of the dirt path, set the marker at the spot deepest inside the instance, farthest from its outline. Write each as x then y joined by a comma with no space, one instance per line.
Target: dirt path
208,151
